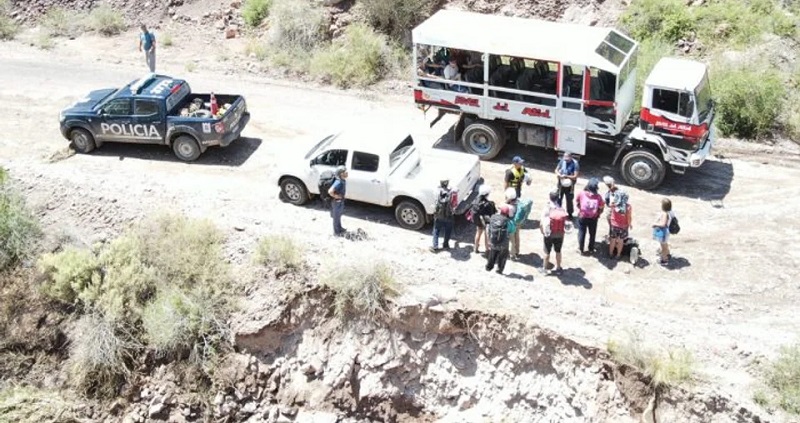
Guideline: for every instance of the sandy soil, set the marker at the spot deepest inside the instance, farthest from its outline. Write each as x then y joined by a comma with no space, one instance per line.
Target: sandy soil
730,296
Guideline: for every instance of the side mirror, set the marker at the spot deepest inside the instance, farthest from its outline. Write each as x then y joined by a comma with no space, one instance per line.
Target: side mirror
101,112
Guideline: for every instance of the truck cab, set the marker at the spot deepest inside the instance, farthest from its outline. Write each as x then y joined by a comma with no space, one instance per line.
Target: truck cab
559,86
154,110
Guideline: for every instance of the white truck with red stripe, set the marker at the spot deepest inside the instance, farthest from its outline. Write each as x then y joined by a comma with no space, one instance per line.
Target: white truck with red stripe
557,86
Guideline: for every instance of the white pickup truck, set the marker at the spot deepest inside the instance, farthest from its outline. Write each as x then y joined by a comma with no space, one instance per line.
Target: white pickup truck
385,168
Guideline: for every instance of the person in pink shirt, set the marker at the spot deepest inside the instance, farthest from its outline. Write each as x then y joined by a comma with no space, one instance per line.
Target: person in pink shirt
590,206
620,221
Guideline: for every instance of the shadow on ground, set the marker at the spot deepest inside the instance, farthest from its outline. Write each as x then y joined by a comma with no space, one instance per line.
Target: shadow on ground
233,155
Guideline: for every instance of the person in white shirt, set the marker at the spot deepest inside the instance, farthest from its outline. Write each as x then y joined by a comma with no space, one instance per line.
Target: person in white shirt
452,73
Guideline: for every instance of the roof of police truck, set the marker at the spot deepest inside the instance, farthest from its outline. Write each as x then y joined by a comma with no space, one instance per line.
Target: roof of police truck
152,86
675,73
521,37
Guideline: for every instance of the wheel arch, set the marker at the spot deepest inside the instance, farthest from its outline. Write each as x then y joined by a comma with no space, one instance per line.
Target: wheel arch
400,198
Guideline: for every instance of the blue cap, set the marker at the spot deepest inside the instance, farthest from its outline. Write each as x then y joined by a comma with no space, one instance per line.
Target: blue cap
517,159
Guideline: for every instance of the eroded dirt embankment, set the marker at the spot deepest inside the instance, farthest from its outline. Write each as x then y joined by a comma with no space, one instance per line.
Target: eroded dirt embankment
436,362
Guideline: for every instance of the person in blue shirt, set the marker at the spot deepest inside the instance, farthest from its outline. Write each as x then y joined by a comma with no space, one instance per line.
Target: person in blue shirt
147,42
567,173
337,193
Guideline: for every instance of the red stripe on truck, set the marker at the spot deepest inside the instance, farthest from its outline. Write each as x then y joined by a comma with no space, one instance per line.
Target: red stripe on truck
693,133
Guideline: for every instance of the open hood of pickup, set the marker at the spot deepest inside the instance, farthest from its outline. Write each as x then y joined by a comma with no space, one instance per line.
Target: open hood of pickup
87,103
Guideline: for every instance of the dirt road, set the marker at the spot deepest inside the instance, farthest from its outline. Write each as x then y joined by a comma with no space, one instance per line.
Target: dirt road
730,297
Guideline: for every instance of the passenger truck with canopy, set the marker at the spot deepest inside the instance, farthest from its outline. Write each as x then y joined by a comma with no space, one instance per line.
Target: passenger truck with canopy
557,86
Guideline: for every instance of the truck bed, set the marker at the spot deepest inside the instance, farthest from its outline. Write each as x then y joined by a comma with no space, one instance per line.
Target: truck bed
222,99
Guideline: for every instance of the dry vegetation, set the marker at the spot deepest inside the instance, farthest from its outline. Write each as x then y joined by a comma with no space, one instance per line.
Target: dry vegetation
782,377
60,22
8,28
361,290
281,253
671,368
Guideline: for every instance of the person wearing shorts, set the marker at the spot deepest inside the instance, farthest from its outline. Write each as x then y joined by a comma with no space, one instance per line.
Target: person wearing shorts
661,230
553,237
620,222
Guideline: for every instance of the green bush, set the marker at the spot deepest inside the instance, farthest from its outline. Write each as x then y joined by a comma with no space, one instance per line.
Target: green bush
70,273
360,290
166,40
749,99
396,17
279,252
8,28
783,376
668,20
20,404
105,20
60,22
98,356
19,229
358,58
255,11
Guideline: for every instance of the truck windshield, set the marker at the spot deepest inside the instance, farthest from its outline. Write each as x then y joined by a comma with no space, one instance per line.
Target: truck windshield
400,151
324,143
176,97
703,98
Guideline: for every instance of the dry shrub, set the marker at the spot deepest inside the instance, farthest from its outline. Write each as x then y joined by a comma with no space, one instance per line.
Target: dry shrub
279,252
8,28
673,368
70,273
255,11
106,21
296,24
397,17
361,290
359,58
98,356
20,404
783,376
19,229
60,22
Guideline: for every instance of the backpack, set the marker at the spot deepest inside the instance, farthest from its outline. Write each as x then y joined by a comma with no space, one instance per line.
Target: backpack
326,180
558,219
444,205
482,210
589,206
523,210
498,230
674,227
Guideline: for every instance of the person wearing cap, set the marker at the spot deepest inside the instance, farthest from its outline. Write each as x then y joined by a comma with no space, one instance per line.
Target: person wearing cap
337,192
590,207
567,174
516,174
443,215
481,212
611,188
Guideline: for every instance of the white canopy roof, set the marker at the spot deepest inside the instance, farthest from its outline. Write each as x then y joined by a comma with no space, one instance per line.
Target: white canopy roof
675,73
518,37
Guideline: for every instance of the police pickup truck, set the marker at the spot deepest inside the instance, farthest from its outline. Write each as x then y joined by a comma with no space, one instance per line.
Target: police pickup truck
155,109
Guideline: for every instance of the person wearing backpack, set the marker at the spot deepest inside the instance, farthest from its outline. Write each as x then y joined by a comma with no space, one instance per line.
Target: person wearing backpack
590,207
521,212
481,212
620,222
337,192
665,224
443,215
567,175
326,180
553,225
498,229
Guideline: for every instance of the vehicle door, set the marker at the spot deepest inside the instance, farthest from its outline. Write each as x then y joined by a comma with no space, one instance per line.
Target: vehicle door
571,118
366,181
327,160
149,122
115,121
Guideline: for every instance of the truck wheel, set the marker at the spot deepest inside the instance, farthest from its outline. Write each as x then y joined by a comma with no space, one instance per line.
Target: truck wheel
186,148
410,215
294,191
643,169
484,139
82,141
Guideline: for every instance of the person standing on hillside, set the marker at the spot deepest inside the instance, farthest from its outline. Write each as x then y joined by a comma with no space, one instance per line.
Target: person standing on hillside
590,208
497,231
620,223
443,215
661,230
147,42
337,193
567,174
553,227
517,174
482,211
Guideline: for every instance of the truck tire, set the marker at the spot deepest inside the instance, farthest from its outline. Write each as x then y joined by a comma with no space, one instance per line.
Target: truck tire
642,169
294,191
186,148
81,140
410,215
484,139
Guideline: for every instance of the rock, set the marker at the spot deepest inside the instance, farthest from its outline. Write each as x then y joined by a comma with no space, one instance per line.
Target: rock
331,2
157,411
231,32
250,408
219,399
236,4
220,25
288,411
